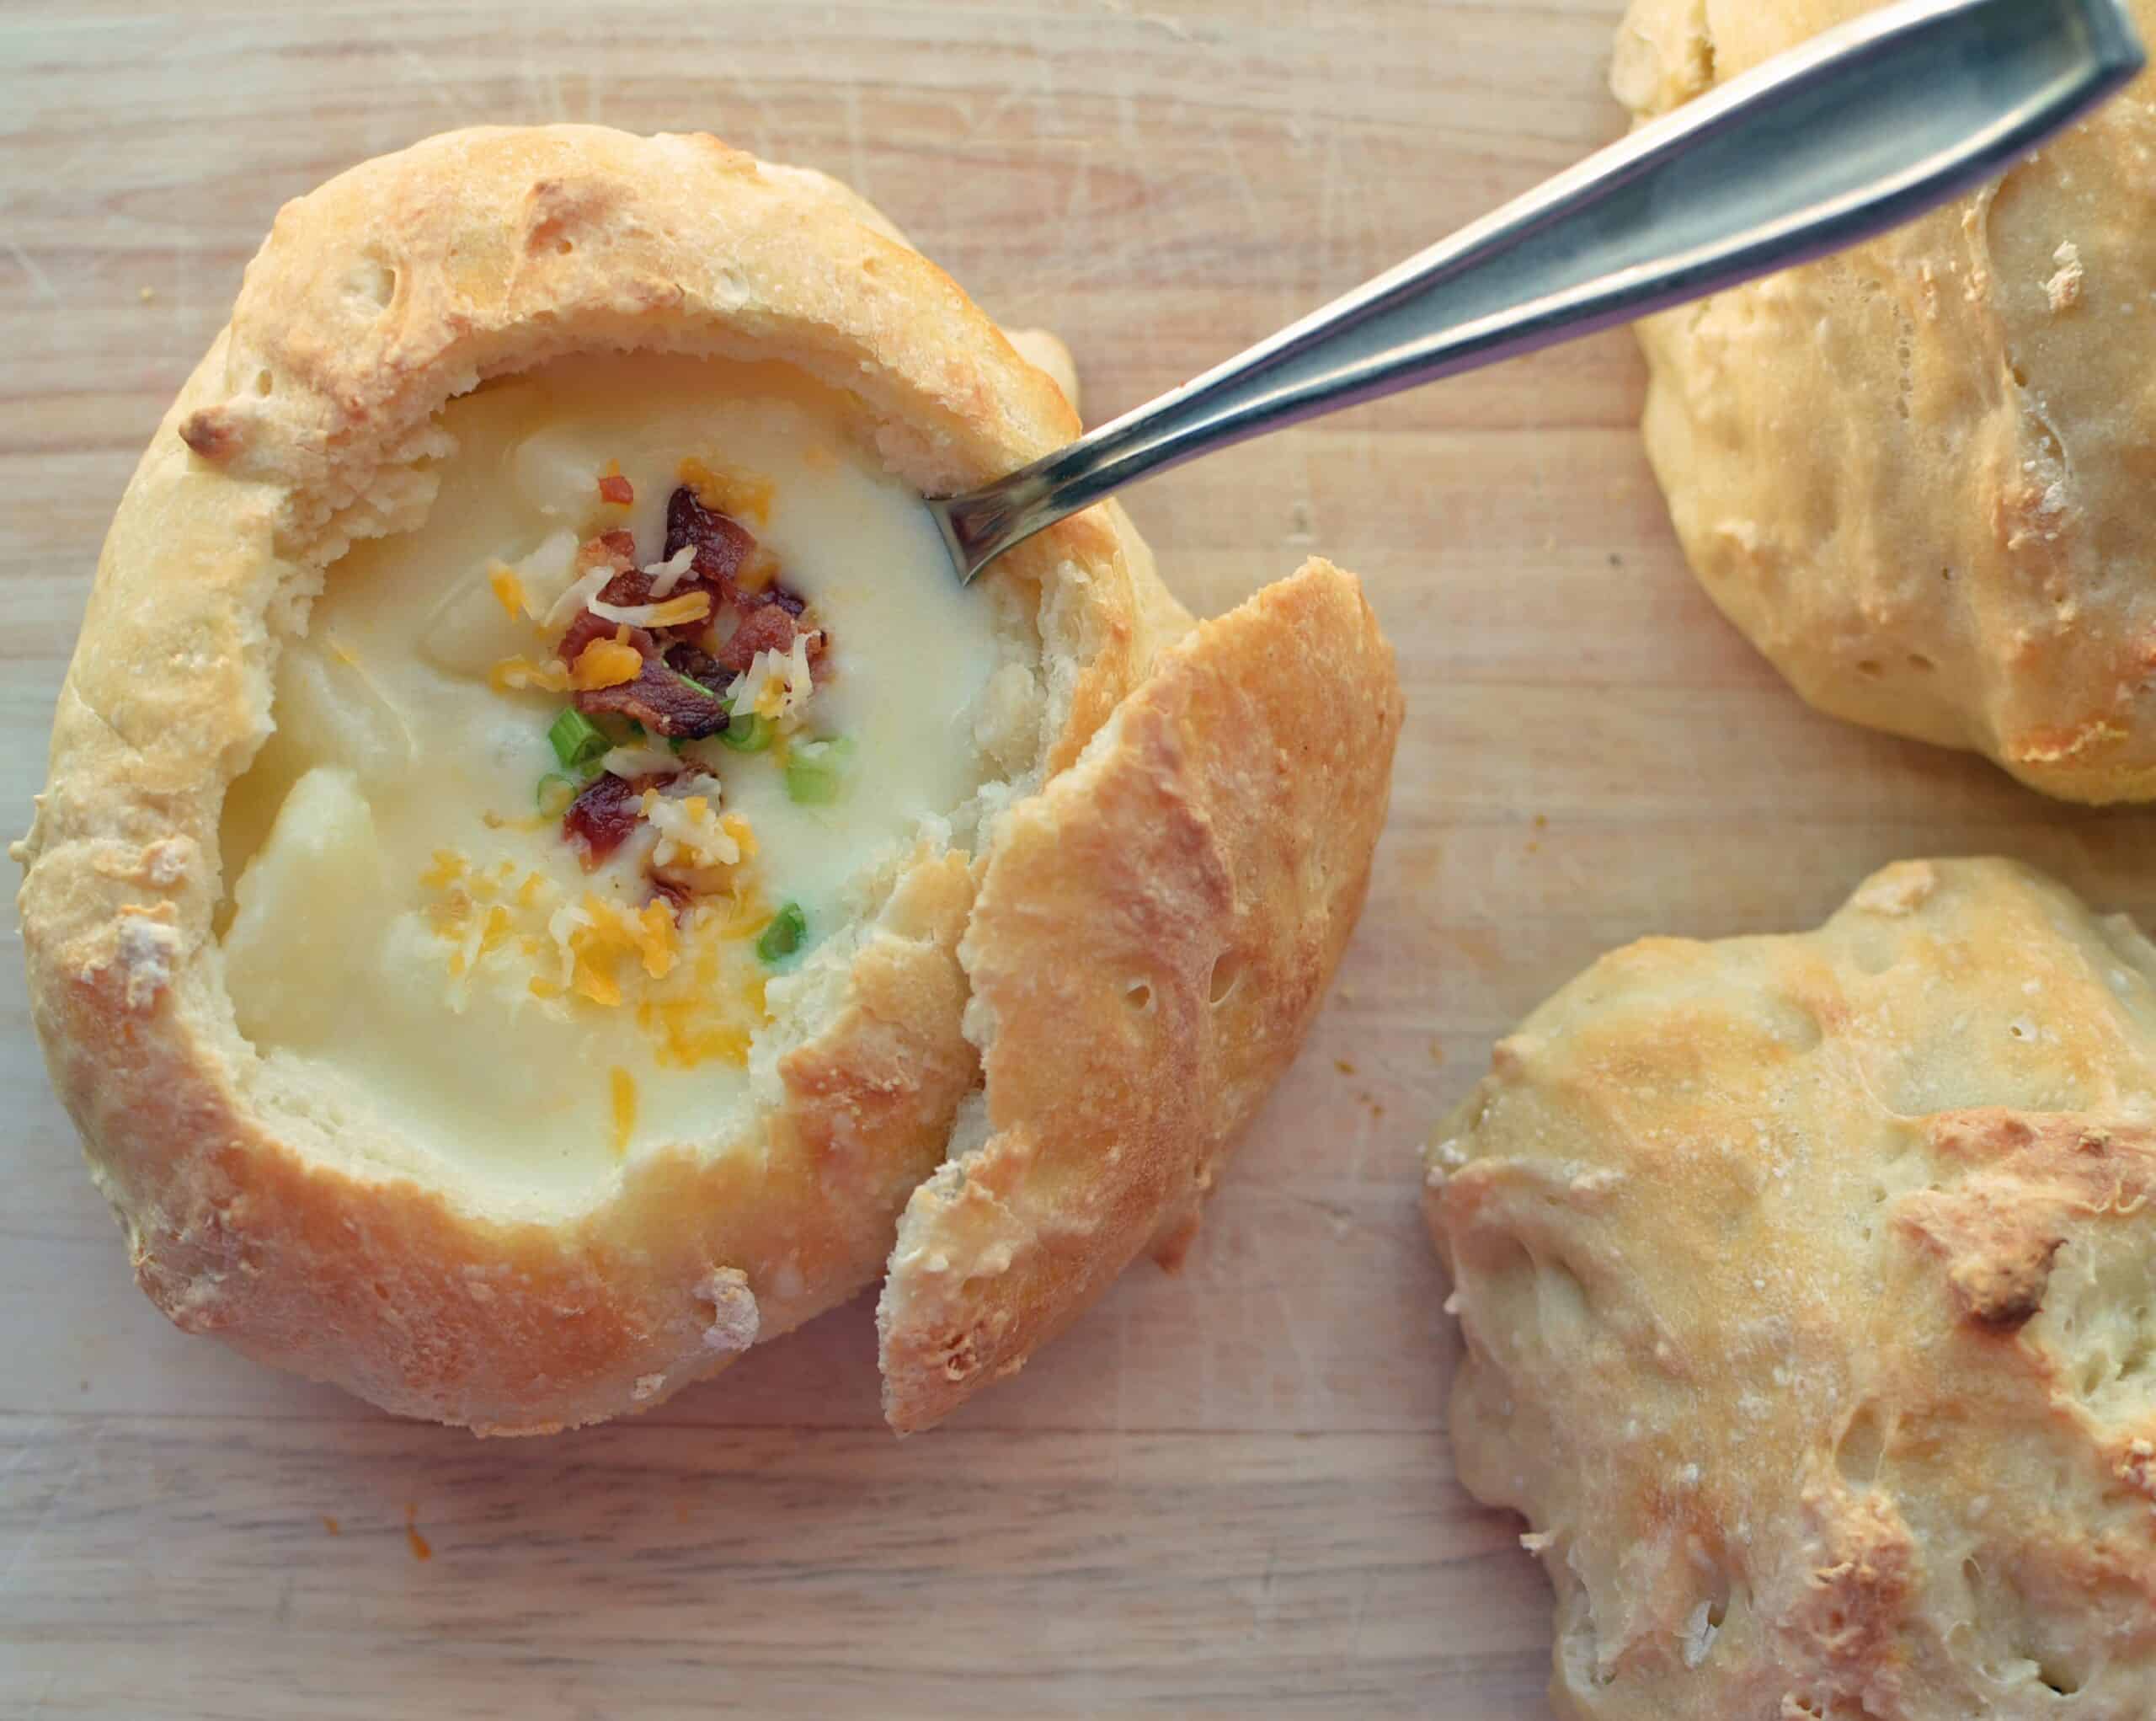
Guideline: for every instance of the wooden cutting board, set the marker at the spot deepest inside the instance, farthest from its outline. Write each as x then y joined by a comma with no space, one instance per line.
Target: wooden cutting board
1227,1494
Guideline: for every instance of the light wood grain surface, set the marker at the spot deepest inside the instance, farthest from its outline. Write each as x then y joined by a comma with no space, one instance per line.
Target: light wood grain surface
1229,1493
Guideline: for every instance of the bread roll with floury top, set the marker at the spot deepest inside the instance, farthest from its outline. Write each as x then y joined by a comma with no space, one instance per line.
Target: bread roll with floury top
1916,475
545,879
1809,1291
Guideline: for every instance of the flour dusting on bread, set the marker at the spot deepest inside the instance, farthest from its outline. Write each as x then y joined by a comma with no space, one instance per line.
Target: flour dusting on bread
1840,1398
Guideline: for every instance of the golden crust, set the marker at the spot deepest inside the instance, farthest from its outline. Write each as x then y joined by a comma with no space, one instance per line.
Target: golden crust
1807,1286
255,1208
1153,934
1915,475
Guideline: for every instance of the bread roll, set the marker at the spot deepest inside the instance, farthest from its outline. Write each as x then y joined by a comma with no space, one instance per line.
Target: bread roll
1916,474
503,913
1809,1291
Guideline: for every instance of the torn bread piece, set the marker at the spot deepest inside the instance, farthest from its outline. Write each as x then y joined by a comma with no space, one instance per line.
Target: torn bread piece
1154,933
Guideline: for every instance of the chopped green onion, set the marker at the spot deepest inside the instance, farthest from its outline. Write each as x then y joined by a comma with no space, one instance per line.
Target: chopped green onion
747,733
576,739
783,935
815,771
697,685
555,792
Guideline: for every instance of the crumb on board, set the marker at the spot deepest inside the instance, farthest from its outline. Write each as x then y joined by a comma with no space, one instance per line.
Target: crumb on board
1343,1067
330,1526
147,294
2063,289
421,1548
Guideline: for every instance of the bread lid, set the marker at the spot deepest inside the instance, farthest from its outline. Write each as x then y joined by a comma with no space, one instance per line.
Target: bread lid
1154,935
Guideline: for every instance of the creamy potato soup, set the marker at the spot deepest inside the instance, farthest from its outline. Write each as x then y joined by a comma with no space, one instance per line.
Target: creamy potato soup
562,778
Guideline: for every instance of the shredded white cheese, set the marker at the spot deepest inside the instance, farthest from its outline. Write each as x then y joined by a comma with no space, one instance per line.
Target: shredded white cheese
564,923
642,759
691,607
775,684
689,833
546,572
579,594
666,575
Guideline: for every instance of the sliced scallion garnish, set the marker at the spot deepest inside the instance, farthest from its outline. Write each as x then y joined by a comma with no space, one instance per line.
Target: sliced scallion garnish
783,935
815,771
747,733
576,739
555,792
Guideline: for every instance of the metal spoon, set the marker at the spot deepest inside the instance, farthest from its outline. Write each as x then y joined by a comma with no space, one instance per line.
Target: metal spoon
1851,134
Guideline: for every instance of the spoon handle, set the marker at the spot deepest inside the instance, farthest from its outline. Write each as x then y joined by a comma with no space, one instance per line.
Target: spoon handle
1853,133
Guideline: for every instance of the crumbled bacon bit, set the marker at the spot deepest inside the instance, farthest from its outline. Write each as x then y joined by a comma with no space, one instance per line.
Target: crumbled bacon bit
629,586
740,575
770,628
615,488
617,549
696,663
679,689
721,545
664,701
599,820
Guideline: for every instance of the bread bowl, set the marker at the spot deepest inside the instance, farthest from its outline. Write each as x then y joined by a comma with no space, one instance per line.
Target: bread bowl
1915,474
1809,1291
519,1103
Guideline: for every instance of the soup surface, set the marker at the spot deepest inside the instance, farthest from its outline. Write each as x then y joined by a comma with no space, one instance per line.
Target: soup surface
498,872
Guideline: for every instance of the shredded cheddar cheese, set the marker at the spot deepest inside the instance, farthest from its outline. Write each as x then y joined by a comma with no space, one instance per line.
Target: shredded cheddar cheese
674,612
624,1093
696,989
509,590
727,491
606,662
